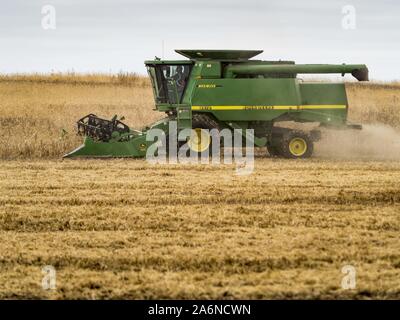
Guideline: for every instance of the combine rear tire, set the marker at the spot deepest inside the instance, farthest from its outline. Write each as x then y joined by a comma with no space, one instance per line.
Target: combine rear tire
296,145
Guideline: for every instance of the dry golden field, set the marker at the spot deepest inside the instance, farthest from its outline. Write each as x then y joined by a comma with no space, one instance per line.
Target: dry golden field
129,229
38,113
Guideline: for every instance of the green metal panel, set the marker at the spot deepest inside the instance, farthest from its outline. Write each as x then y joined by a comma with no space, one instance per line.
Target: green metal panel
184,116
210,69
133,148
324,94
191,84
254,94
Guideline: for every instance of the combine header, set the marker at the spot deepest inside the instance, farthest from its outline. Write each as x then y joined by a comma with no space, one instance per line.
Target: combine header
224,89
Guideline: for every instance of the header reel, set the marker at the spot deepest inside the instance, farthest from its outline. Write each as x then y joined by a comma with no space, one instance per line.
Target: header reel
101,129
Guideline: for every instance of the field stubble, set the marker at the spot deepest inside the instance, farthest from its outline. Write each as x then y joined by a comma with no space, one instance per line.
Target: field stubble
127,229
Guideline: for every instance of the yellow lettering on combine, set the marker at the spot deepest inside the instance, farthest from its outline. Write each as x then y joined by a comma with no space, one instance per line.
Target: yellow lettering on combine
293,107
207,86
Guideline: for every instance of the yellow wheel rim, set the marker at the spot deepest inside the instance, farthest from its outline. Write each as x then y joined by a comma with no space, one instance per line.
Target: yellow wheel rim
199,140
298,147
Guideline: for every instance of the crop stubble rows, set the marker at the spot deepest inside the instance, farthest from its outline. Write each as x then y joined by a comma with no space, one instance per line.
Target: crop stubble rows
128,229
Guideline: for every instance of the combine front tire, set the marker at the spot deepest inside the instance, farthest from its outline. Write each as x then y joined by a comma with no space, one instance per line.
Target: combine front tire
273,150
199,141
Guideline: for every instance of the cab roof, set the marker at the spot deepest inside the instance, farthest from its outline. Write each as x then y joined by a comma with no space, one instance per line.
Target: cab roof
201,54
167,62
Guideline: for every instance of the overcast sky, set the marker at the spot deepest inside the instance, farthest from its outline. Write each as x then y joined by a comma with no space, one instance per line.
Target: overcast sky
118,35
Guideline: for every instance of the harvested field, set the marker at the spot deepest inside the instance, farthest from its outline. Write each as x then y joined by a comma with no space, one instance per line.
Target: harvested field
128,229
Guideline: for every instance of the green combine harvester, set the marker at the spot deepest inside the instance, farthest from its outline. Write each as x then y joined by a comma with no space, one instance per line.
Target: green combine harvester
224,89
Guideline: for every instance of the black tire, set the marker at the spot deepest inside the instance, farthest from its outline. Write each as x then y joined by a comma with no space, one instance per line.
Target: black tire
273,150
287,146
203,121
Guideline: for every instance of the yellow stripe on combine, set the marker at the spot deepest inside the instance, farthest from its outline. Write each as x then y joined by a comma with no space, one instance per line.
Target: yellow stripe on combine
301,107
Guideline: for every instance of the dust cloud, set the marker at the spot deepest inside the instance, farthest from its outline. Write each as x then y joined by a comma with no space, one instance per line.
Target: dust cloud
373,142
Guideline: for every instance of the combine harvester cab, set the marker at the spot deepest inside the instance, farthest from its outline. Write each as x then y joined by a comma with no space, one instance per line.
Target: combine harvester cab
225,89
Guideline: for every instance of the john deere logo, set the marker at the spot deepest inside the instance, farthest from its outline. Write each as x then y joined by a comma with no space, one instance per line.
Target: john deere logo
142,146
